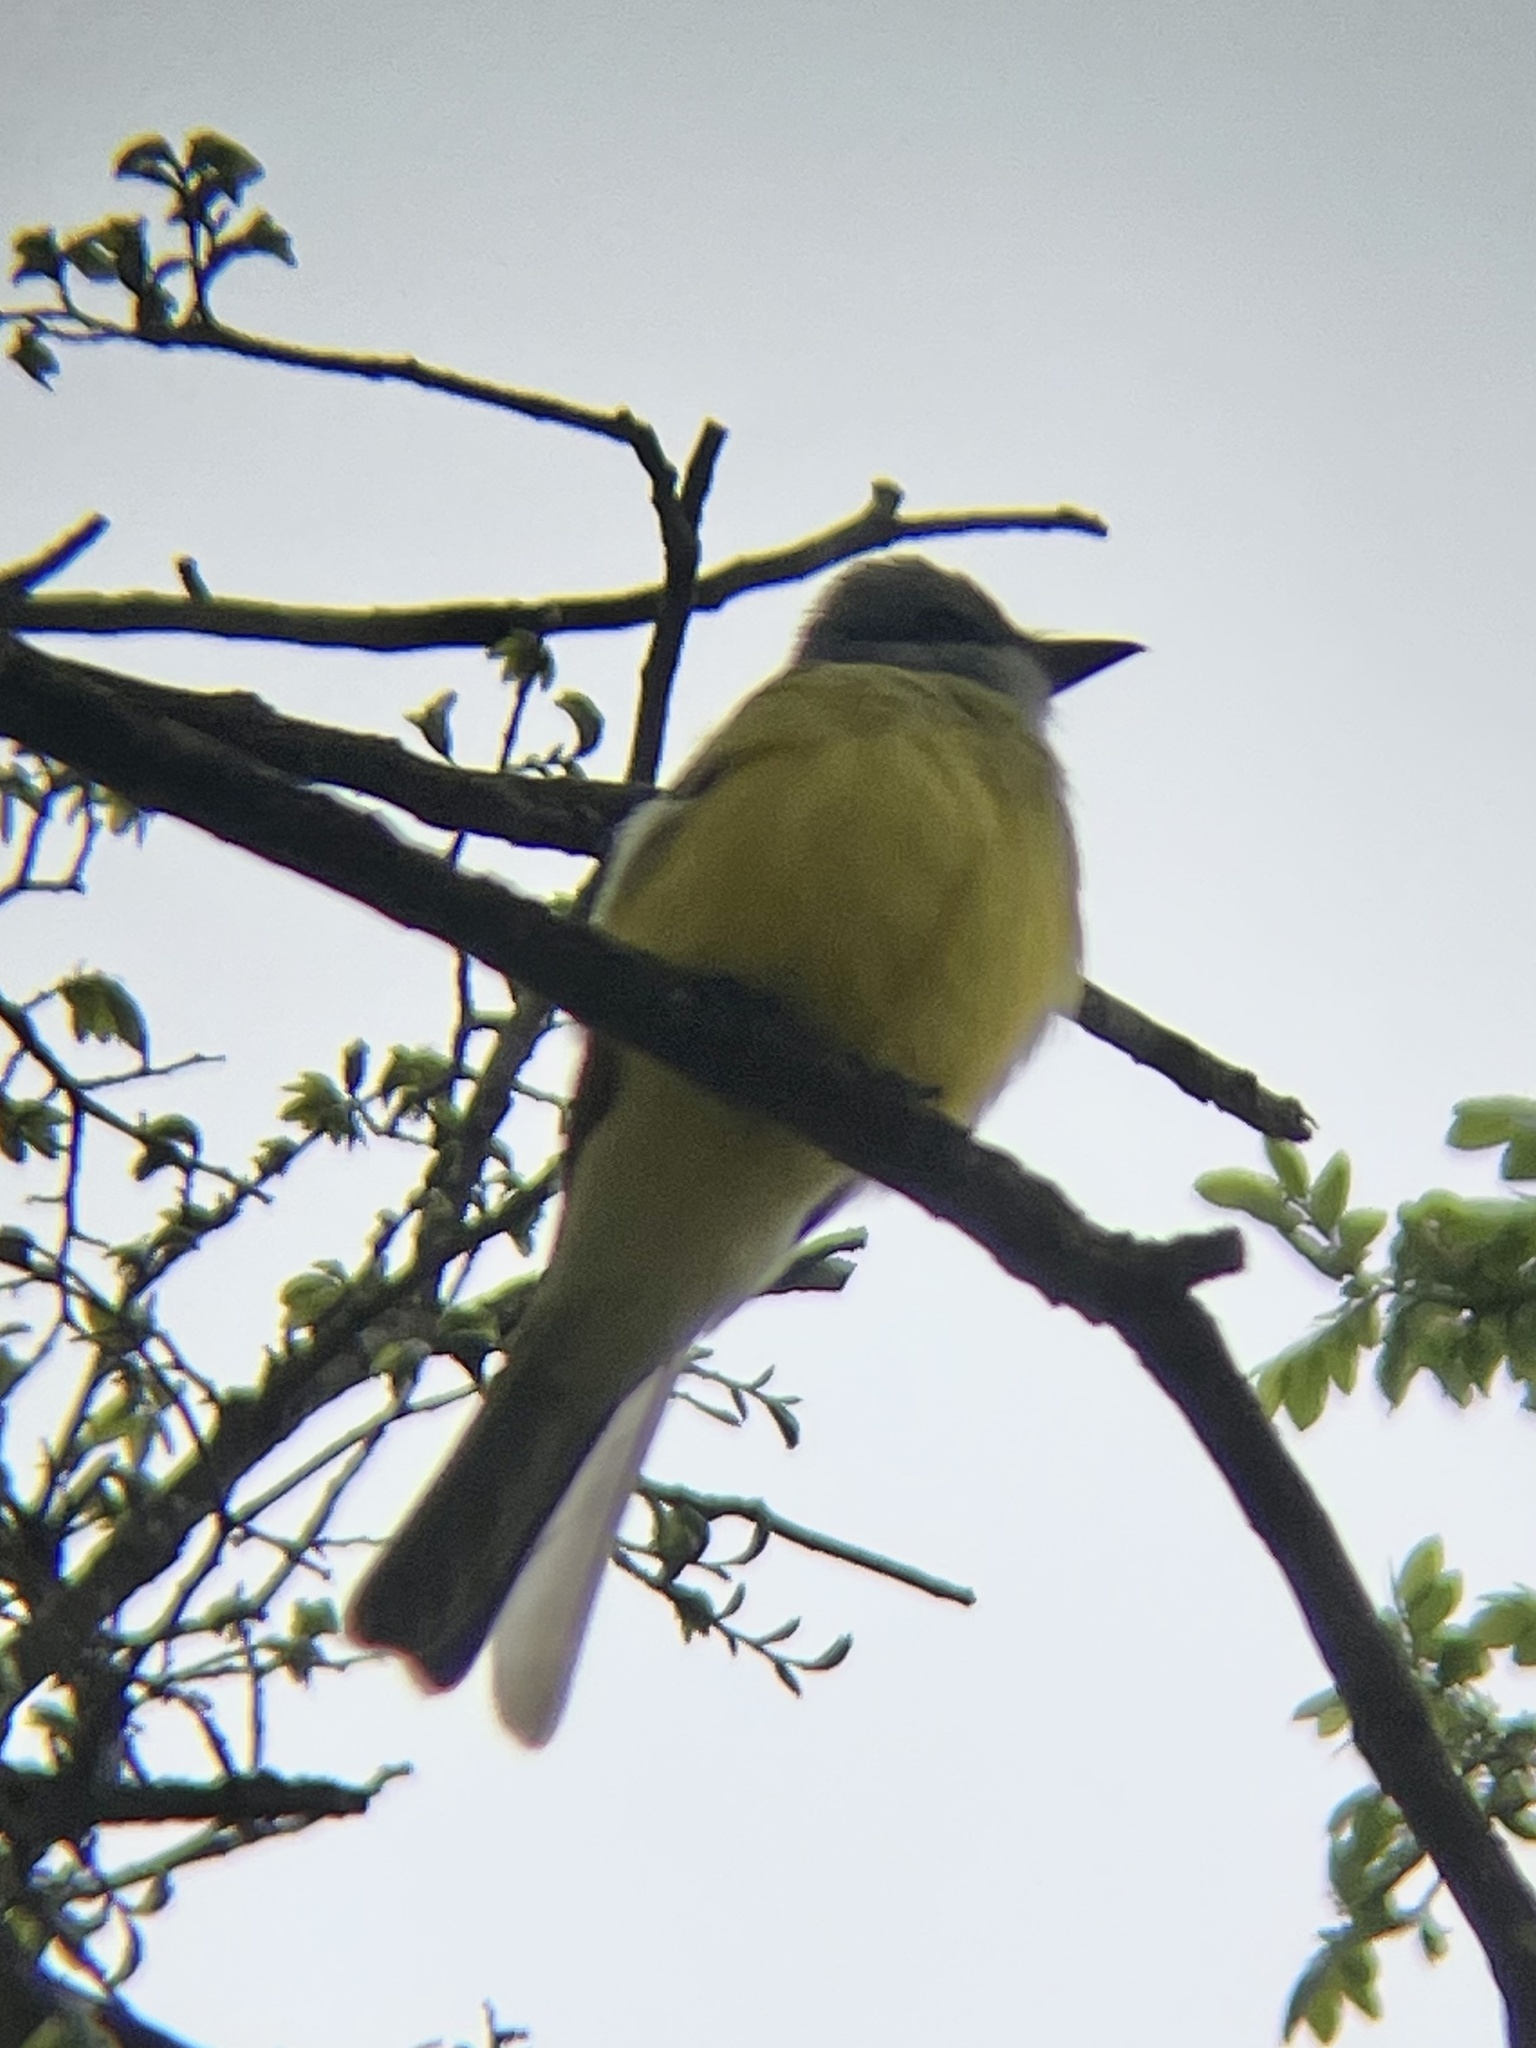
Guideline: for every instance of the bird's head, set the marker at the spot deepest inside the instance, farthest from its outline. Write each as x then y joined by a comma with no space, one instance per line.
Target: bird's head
907,612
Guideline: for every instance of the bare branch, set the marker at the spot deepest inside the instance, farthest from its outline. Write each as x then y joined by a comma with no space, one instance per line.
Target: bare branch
41,1806
19,577
1189,1066
679,513
767,1521
479,623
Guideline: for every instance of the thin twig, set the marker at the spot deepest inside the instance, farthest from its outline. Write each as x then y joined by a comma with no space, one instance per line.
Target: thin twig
1189,1066
767,1521
52,560
679,511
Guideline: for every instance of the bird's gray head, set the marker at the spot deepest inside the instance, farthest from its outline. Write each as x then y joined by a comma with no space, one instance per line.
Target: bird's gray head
910,613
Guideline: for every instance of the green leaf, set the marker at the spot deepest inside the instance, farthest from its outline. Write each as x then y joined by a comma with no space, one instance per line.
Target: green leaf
1327,1710
1317,2000
585,716
781,1413
1289,1163
1237,1187
28,1126
354,1065
830,1657
316,1104
93,255
679,1536
20,1249
1433,1938
1299,1379
524,657
169,1140
101,1008
1421,1567
1504,1618
417,1074
1330,1192
1358,1978
32,355
431,721
399,1359
212,159
1307,1376
151,157
1461,1659
314,1618
308,1295
1423,1336
1519,1161
1431,1605
128,241
1358,1230
273,1156
37,255
1486,1120
693,1610
258,237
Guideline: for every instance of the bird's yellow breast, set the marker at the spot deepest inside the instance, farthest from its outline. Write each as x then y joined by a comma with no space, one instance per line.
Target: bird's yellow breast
885,850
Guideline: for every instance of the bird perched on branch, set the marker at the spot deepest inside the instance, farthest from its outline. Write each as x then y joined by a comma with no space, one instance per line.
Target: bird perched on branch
878,838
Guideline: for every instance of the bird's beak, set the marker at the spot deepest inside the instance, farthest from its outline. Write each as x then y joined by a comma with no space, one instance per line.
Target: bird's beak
1070,657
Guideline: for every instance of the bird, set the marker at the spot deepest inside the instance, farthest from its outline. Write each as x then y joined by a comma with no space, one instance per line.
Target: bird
878,838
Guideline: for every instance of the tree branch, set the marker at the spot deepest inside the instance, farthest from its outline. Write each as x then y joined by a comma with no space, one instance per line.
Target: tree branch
29,2000
46,1806
404,629
767,1521
758,1055
679,512
20,578
1189,1066
574,815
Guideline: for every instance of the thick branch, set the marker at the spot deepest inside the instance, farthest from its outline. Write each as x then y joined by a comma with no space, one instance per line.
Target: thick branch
403,629
1181,1347
573,815
569,814
749,1048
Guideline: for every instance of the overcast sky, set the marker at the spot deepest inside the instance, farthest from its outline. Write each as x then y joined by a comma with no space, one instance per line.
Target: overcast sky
1256,282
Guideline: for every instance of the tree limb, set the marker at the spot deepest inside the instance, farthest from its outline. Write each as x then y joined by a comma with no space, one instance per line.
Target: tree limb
48,1806
575,815
1189,1066
408,628
758,1055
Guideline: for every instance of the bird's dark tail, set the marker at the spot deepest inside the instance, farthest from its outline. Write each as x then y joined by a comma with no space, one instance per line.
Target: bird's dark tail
434,1593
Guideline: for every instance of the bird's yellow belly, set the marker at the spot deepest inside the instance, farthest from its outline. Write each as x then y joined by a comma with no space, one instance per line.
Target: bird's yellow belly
888,853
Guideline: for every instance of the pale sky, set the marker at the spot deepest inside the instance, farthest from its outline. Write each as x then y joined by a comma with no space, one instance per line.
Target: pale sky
1258,283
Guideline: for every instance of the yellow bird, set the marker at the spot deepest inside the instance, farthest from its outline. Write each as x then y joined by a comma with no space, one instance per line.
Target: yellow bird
878,837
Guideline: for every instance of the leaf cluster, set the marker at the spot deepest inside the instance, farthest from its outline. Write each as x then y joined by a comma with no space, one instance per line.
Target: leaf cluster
167,285
1455,1296
1372,1853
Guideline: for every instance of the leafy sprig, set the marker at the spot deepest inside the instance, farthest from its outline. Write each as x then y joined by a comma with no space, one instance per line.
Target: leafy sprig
168,285
1372,1854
